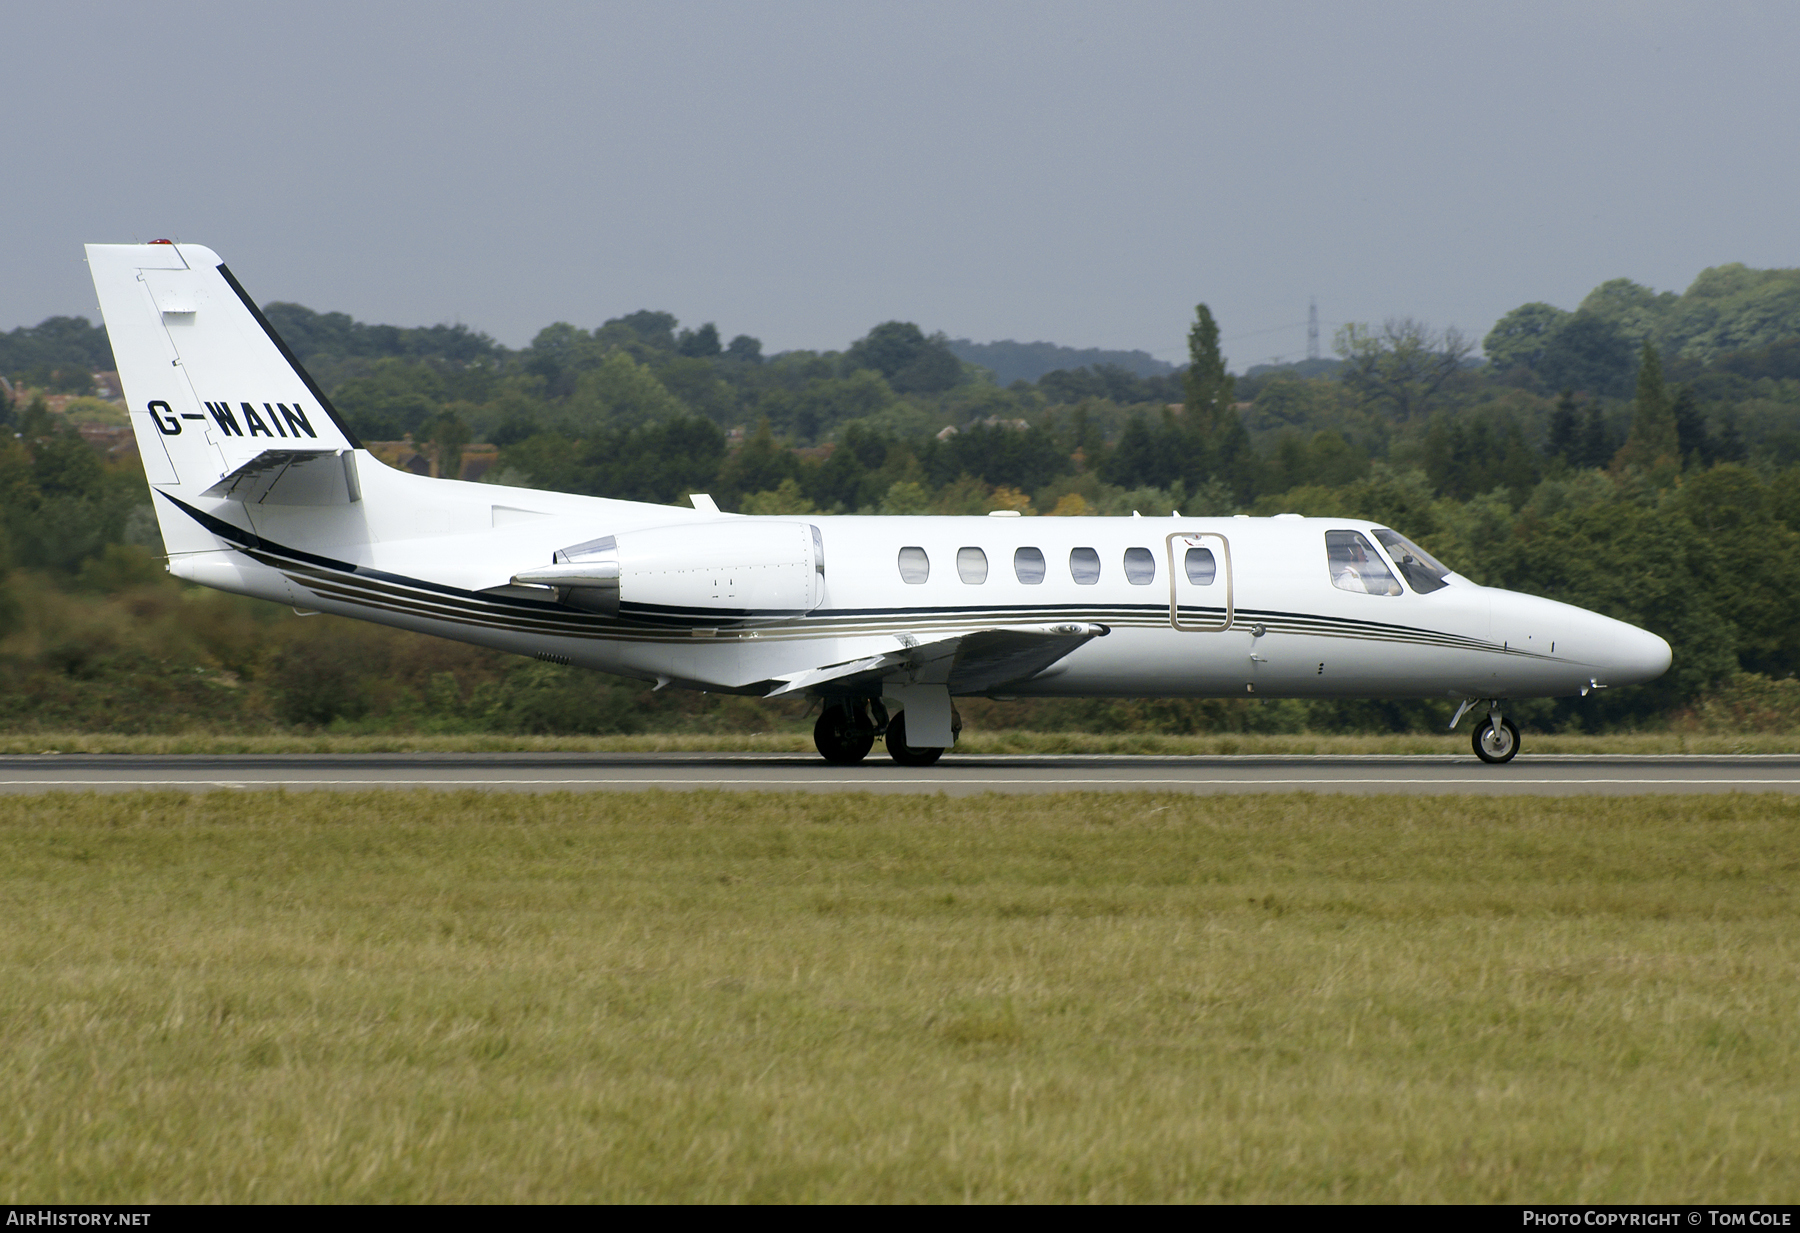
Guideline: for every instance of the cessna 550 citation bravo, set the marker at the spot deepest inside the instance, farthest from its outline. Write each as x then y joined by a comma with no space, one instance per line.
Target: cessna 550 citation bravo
261,489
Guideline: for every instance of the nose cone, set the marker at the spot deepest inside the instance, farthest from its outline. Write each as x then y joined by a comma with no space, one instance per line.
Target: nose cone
1585,647
1631,656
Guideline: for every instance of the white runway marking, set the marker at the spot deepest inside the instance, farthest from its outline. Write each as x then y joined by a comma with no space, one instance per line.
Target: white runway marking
915,783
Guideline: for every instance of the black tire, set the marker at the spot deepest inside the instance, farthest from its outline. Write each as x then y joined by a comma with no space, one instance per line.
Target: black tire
904,754
843,736
1493,745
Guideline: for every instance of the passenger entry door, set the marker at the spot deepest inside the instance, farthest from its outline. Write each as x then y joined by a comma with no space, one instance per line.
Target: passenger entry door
1200,593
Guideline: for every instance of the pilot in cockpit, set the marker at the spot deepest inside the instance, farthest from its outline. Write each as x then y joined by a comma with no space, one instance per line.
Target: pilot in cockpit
1355,567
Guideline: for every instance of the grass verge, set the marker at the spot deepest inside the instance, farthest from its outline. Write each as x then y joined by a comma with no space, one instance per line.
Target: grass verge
730,996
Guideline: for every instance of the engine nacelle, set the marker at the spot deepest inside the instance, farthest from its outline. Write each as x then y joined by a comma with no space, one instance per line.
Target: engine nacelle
736,570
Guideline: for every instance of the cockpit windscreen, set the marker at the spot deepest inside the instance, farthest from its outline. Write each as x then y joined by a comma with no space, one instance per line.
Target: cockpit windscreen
1422,571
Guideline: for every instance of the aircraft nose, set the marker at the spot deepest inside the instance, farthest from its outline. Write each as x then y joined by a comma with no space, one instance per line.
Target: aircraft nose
1633,655
1592,648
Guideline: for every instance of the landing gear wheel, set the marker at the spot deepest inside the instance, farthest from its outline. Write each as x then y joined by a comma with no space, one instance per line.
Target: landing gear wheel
844,735
901,752
1496,744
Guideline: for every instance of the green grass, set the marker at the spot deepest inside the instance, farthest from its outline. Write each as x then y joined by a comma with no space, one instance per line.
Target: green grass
717,996
978,742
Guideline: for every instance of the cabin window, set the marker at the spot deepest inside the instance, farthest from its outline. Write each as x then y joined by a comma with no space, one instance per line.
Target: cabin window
1028,564
1200,566
1422,572
971,565
1140,567
818,552
915,566
1355,566
1084,564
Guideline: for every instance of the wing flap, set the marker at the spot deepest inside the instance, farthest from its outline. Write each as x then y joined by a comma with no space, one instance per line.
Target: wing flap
971,662
841,675
990,658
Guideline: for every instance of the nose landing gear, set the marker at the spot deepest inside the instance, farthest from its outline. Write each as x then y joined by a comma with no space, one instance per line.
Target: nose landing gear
1496,738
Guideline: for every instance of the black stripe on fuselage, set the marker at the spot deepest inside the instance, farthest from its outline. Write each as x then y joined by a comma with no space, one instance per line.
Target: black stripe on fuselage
365,586
293,360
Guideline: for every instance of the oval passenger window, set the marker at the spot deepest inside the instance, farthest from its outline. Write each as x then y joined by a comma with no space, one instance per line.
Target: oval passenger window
1200,566
1084,564
971,565
1140,567
1028,564
915,566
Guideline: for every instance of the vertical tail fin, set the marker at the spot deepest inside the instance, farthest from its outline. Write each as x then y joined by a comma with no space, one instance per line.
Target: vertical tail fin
216,399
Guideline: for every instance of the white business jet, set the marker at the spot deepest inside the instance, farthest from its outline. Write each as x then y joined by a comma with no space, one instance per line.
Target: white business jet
261,489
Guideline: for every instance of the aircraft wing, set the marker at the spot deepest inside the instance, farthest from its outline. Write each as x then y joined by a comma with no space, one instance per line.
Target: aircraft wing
969,662
990,658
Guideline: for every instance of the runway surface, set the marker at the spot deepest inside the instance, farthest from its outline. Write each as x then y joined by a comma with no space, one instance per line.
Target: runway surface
956,775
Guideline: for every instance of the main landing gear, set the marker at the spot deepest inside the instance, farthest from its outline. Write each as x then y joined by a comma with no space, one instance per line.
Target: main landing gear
1496,738
846,732
901,752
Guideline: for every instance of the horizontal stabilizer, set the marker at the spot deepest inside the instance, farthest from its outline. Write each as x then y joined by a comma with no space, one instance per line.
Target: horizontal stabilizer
973,662
292,477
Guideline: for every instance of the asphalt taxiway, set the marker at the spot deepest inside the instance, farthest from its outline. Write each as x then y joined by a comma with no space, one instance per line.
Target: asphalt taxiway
957,775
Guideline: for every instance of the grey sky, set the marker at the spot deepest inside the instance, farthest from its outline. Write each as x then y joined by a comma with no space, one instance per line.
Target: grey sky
1082,173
